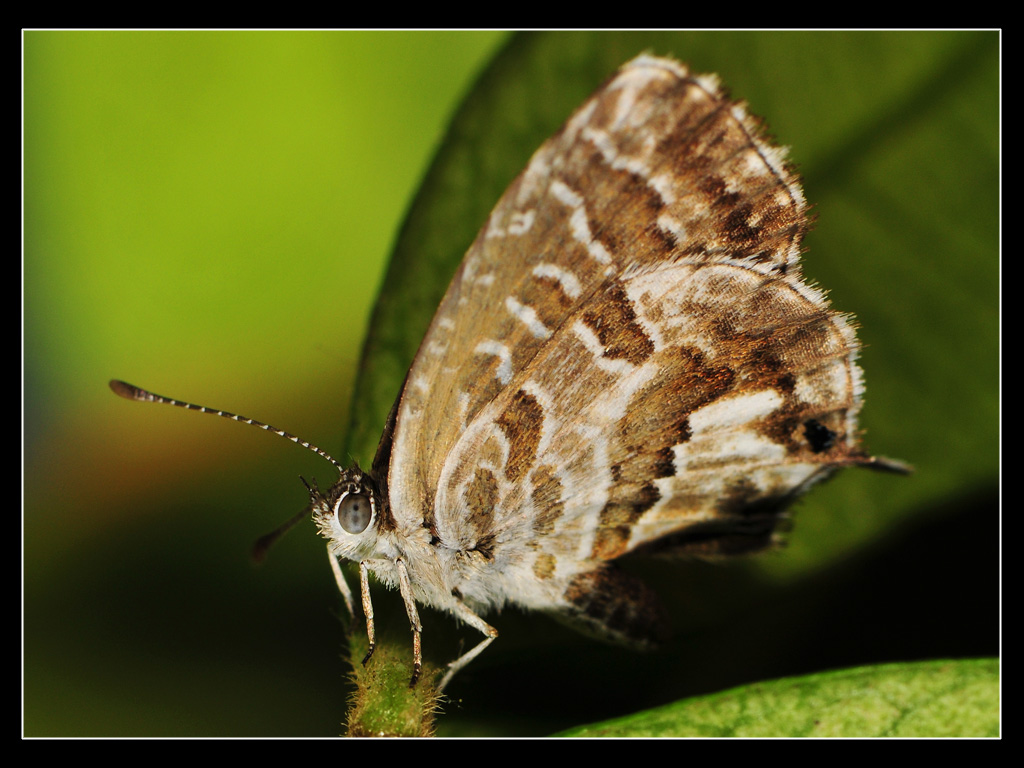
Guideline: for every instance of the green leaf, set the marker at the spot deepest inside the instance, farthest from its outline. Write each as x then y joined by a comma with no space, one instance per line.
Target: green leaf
896,136
935,698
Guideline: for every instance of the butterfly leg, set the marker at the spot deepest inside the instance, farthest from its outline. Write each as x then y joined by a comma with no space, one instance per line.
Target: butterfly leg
405,587
364,592
339,579
346,594
462,611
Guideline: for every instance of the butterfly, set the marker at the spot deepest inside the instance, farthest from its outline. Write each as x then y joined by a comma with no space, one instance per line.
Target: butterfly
627,360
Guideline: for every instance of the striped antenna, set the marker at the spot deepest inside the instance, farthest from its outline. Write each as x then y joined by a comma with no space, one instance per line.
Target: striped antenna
131,392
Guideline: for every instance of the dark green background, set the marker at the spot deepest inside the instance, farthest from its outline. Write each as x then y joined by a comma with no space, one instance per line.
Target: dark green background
207,215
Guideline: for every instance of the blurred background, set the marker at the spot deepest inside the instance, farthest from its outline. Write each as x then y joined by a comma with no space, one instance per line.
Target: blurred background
209,215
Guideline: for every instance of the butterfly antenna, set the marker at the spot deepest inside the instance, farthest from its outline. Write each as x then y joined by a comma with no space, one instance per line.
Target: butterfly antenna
131,392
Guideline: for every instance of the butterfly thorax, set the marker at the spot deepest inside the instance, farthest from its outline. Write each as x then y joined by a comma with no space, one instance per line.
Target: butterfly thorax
354,516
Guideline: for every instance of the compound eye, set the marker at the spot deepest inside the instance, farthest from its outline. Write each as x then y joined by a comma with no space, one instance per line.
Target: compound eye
354,512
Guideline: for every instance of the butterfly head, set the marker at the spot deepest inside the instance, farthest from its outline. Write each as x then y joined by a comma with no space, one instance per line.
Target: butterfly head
350,514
